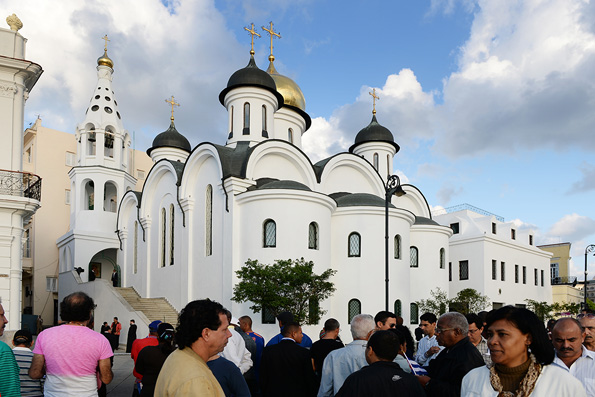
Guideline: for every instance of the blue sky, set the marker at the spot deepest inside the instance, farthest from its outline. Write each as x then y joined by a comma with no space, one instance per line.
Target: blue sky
492,102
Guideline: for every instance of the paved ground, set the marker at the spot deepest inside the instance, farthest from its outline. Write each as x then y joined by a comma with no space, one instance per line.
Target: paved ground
123,381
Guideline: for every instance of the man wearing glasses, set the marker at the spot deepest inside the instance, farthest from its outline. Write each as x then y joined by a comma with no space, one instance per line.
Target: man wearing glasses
385,320
475,331
588,322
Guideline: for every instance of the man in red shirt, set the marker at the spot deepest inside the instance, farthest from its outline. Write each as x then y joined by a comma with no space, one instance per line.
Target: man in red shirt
115,331
138,345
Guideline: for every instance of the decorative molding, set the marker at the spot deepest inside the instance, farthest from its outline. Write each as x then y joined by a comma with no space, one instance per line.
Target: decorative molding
8,90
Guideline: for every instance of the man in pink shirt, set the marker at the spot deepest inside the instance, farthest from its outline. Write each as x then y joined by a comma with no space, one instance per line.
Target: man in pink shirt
71,355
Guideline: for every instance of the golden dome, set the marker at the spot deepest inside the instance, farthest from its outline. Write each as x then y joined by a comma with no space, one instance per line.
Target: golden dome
292,94
105,60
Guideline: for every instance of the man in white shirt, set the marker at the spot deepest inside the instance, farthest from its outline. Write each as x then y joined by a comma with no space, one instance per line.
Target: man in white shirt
588,322
235,350
568,336
427,348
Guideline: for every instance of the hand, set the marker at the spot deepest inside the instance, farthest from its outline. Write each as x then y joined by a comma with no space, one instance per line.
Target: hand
423,380
433,350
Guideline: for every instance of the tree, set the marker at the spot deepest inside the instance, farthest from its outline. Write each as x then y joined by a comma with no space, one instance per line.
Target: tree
437,305
541,309
469,300
287,285
564,308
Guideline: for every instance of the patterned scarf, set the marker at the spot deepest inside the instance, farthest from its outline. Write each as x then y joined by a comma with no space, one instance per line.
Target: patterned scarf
527,384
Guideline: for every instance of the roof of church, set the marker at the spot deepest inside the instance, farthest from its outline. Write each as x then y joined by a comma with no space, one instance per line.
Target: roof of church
170,138
420,220
374,132
344,199
271,183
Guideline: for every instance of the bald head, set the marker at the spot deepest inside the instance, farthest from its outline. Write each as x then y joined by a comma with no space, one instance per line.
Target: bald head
568,337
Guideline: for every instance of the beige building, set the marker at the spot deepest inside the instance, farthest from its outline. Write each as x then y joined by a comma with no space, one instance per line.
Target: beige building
51,154
564,287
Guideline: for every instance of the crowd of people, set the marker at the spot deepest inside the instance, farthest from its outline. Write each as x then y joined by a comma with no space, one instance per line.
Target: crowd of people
506,352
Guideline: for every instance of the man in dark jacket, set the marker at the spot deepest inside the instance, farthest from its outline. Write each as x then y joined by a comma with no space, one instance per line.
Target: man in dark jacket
286,368
446,371
383,377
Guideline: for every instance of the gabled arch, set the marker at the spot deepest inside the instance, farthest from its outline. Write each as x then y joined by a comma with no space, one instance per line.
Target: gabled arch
162,169
127,209
195,162
345,170
414,201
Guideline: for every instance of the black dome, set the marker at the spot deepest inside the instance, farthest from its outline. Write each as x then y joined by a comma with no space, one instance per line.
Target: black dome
251,76
374,132
170,138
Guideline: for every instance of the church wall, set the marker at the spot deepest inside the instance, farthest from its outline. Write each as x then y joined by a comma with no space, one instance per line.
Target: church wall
347,173
284,120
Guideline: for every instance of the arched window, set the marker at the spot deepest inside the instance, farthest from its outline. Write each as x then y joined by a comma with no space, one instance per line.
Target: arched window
135,249
209,221
246,130
90,195
171,234
442,258
388,164
91,140
264,120
230,123
413,260
290,135
398,246
163,237
108,143
354,307
269,234
376,161
398,308
313,236
354,242
413,313
110,197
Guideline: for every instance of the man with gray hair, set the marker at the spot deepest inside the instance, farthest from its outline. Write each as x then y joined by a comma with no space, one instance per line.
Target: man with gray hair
341,363
459,356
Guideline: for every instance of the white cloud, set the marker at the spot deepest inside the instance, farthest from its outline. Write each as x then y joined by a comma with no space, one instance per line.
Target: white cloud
587,182
573,227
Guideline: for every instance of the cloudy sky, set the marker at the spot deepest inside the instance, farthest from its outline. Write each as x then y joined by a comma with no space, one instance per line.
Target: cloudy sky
492,102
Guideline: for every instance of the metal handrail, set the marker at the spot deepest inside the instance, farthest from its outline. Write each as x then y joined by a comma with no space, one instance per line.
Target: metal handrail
22,184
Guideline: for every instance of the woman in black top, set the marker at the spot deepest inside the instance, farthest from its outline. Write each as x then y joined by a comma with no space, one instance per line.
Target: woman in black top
151,358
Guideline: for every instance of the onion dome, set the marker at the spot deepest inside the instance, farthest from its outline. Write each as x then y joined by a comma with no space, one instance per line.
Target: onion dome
104,60
374,132
170,138
292,94
251,76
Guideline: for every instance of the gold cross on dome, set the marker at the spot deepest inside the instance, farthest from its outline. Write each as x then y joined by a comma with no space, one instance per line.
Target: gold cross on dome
252,34
173,103
106,40
271,33
374,99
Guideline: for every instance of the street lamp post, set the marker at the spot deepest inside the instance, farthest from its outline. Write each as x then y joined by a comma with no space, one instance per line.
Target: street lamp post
590,248
392,187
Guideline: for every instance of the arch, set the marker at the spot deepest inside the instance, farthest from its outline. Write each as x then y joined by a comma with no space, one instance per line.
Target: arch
162,176
442,258
413,257
313,236
414,201
194,177
413,313
376,161
354,307
398,308
89,203
354,245
246,130
397,245
290,135
345,170
209,220
269,234
110,197
172,229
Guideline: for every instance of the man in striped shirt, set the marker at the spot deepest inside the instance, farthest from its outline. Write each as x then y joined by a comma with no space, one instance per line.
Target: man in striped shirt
9,370
22,352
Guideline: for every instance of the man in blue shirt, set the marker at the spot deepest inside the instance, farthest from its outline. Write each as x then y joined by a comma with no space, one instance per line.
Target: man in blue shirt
286,318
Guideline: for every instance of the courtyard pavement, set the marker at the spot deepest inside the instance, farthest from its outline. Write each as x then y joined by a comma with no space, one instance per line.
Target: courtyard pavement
123,381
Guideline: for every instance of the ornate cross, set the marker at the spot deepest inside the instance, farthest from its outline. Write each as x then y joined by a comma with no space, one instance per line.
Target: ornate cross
106,40
173,103
271,33
374,99
252,34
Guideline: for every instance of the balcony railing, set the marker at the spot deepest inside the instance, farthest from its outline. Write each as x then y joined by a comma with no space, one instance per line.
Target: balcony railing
22,184
564,280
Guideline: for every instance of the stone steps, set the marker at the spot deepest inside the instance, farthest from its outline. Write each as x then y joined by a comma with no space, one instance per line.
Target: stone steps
153,308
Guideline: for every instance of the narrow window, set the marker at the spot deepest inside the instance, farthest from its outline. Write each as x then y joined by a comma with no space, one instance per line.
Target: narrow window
354,242
442,258
387,164
268,315
313,236
463,270
530,239
135,249
493,227
449,271
70,158
67,197
413,257
455,228
398,246
290,135
231,123
413,313
516,274
502,273
376,161
494,269
108,144
209,221
171,233
542,277
354,307
163,237
398,308
554,271
313,310
91,139
246,130
269,234
536,277
264,121
524,274
90,195
513,234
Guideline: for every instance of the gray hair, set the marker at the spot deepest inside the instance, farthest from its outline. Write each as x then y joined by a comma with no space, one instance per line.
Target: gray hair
455,320
361,325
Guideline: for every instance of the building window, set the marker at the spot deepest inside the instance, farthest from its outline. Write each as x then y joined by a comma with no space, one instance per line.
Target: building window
246,130
502,272
449,271
376,161
494,269
313,308
171,233
91,143
27,244
209,221
354,307
413,313
455,228
530,239
269,234
264,120
28,156
398,246
90,195
463,270
313,236
290,135
494,228
70,159
67,197
135,249
388,164
354,242
536,277
163,238
516,274
268,315
413,257
140,174
398,308
231,123
513,234
554,271
524,274
108,144
51,284
542,277
442,258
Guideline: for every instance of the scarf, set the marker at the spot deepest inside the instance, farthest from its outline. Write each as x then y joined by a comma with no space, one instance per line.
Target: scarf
527,384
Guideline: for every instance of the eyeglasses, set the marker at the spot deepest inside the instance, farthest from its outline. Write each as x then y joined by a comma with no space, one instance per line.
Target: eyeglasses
440,330
588,315
473,331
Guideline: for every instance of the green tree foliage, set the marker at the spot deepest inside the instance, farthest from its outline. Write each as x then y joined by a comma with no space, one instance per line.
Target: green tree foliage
437,305
287,285
541,309
469,300
566,307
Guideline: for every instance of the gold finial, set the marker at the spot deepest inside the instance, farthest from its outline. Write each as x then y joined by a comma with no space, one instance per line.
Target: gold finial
271,33
173,103
14,22
374,99
252,34
106,40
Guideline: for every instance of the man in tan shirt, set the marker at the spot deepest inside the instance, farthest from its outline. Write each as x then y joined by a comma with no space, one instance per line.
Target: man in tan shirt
202,332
